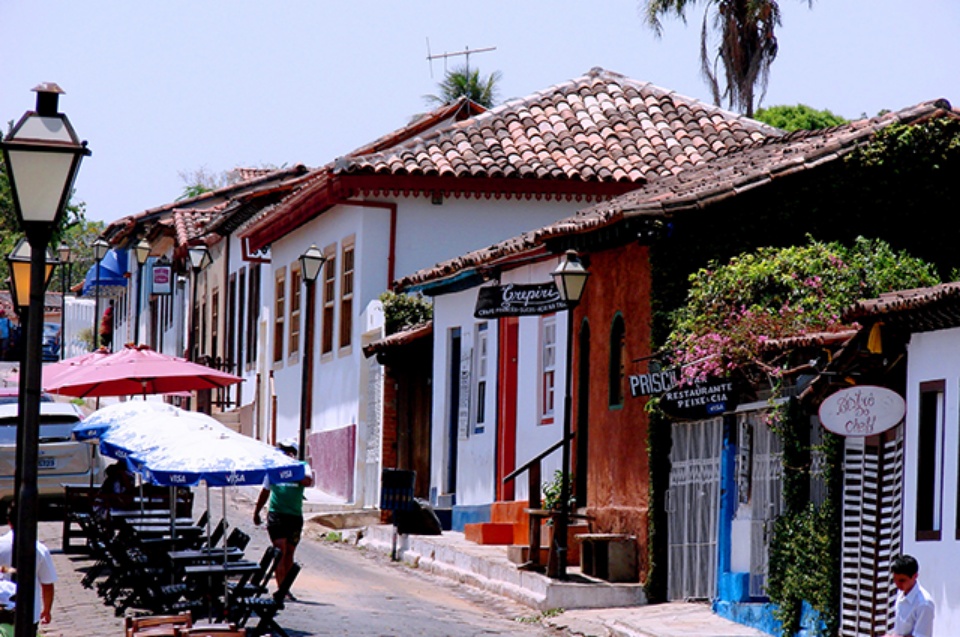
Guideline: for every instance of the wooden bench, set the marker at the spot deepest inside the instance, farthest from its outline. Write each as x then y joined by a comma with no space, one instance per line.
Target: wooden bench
609,556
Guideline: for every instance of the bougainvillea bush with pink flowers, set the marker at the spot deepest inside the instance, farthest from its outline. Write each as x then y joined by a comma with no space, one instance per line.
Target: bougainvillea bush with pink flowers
773,293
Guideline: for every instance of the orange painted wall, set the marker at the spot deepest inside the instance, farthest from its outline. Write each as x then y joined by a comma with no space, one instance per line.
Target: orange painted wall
618,475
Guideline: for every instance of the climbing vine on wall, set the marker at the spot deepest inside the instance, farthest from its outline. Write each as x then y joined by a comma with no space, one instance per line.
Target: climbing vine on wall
804,561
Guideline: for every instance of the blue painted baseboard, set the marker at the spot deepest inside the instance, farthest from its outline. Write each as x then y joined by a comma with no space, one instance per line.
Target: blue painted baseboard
464,514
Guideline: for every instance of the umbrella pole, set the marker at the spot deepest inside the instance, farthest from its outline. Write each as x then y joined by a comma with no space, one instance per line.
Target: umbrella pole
226,586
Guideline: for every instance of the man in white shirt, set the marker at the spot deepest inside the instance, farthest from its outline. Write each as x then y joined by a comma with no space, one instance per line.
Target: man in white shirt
46,573
914,607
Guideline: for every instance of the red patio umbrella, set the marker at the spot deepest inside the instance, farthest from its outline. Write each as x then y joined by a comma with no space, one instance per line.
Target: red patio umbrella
52,371
137,370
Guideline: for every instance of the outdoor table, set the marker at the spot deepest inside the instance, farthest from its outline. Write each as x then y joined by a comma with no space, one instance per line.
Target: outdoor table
157,521
189,557
145,531
127,514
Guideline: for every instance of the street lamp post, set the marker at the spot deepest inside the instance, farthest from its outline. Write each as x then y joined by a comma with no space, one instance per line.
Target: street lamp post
64,253
100,249
42,155
311,262
199,257
19,264
570,277
143,253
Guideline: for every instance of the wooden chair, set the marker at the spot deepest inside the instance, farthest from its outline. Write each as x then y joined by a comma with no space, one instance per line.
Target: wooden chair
156,625
255,585
266,608
238,539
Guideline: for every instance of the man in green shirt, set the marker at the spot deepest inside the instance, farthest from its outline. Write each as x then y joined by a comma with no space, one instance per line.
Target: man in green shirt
285,513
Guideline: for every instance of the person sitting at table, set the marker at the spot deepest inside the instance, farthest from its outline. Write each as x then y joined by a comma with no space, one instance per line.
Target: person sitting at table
116,492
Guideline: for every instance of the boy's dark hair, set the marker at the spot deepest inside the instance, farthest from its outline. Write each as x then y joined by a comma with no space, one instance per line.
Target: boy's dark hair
905,565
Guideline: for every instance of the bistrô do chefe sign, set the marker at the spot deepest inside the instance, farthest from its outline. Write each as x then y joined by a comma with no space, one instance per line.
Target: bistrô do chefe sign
864,410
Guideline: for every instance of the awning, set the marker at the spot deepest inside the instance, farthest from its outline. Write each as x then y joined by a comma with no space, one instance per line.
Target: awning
111,272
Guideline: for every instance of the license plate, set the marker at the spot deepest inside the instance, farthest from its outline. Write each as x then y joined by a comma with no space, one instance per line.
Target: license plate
46,463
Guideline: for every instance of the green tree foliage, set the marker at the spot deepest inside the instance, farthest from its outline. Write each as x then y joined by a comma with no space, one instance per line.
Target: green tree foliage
463,82
746,50
799,117
401,311
773,293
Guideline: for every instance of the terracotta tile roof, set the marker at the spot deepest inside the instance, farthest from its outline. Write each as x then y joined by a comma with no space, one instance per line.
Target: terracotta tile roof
601,126
697,187
399,339
596,136
755,166
191,223
117,231
919,310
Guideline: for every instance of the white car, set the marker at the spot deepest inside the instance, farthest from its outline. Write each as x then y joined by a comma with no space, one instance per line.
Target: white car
62,460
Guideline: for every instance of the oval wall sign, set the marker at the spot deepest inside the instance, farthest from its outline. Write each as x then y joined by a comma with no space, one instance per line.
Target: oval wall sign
863,410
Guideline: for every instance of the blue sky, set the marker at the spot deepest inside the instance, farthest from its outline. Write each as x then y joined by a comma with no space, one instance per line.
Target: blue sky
159,87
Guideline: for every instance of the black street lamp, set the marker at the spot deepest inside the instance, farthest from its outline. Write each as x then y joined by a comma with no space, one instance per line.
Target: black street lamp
64,254
143,253
199,258
42,155
571,278
311,262
19,265
100,249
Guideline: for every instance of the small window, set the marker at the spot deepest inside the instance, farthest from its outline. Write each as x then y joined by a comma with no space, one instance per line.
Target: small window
215,323
548,367
329,299
930,460
253,315
482,359
346,295
279,313
617,346
294,311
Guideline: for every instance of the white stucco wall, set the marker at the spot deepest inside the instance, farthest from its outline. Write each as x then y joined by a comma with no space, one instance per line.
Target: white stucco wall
935,356
476,454
425,235
533,436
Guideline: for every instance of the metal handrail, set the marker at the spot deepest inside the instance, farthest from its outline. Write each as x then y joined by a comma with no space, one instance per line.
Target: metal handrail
536,459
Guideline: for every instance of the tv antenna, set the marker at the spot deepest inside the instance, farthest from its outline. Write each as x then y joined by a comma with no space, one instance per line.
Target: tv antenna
466,52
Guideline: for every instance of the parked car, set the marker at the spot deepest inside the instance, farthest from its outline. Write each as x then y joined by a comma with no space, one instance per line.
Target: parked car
61,458
10,396
51,342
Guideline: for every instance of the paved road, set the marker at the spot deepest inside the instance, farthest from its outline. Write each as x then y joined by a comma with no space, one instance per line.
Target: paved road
342,590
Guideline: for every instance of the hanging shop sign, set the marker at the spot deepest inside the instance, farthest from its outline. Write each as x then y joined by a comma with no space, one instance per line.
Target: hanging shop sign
864,410
161,279
699,400
516,299
653,382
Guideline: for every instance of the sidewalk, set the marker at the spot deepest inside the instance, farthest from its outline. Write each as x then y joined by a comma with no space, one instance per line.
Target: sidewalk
591,607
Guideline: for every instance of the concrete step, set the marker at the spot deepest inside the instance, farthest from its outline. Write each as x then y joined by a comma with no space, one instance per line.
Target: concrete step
487,567
489,533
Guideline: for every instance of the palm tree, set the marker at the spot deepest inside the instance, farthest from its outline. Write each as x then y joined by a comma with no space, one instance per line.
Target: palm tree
748,45
462,82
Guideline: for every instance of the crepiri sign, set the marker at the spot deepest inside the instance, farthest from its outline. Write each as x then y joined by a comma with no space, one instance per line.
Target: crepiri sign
863,410
515,299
